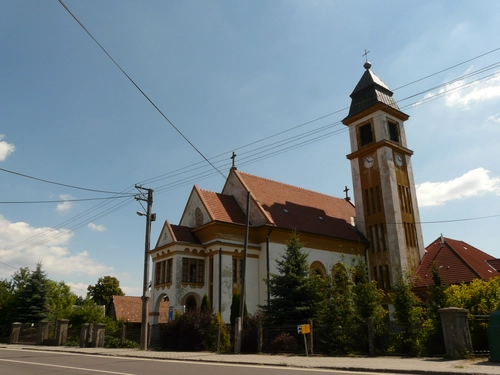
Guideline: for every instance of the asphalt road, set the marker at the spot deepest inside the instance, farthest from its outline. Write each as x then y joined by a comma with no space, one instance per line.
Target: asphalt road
27,362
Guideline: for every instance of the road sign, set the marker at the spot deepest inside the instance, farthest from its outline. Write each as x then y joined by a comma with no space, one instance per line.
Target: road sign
303,329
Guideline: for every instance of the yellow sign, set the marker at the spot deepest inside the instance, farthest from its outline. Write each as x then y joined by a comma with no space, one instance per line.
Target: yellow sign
304,328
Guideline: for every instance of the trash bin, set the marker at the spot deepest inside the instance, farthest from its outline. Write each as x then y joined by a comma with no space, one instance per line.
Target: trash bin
494,335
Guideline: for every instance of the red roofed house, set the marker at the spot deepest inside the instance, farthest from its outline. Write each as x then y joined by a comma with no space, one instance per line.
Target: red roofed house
458,262
129,309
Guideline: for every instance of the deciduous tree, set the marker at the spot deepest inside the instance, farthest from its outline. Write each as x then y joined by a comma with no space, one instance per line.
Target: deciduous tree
103,291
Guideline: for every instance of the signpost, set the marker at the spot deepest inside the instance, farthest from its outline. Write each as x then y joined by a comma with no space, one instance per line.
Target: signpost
304,329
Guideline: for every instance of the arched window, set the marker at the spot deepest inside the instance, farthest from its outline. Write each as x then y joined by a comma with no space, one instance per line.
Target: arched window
318,269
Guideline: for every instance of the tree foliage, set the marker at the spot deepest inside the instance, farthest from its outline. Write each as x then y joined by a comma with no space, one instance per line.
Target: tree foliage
409,314
367,298
336,310
60,300
479,297
235,308
103,291
294,294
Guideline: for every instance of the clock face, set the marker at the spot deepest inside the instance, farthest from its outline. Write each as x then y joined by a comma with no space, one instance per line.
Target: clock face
368,162
399,160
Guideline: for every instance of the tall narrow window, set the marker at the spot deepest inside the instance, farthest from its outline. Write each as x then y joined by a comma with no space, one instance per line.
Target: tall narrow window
365,134
169,270
379,201
367,202
372,198
393,132
382,237
388,277
382,277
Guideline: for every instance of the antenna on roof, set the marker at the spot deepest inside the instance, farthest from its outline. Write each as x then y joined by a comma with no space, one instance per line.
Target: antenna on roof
442,240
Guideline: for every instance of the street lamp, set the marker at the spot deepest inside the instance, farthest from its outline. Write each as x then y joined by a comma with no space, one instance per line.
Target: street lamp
145,285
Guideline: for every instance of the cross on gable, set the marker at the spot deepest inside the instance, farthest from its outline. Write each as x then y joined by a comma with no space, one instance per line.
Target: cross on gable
233,157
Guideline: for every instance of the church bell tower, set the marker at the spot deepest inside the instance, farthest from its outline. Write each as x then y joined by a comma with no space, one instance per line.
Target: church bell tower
384,187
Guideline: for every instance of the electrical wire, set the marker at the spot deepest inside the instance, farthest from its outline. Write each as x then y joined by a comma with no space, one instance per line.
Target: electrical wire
58,183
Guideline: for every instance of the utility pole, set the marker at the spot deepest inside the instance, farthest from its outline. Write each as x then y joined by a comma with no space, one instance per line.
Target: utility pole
145,285
239,320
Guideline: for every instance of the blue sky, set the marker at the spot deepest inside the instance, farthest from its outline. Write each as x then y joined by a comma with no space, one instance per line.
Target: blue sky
269,80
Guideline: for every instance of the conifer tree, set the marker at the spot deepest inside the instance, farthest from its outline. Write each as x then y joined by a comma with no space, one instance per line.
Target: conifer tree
32,300
294,294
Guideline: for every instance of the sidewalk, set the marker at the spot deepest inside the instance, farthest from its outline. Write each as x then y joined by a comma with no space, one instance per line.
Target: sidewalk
394,365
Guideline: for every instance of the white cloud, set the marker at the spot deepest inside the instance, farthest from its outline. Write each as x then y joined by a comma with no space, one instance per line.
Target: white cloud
477,92
65,206
5,148
494,118
80,289
473,183
460,94
97,228
22,245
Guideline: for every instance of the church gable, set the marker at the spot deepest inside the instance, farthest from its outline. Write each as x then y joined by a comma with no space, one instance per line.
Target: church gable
196,212
236,187
166,235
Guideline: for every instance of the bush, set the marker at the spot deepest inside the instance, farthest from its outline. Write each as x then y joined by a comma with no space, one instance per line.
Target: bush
195,331
284,343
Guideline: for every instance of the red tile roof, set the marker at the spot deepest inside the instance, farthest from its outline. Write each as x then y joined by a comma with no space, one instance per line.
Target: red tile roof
184,234
223,207
304,210
458,262
129,309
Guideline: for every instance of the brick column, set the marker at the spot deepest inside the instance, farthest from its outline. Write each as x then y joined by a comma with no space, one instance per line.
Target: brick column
62,331
98,335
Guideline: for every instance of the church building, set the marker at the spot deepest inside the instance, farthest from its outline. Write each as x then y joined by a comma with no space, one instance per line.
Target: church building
203,254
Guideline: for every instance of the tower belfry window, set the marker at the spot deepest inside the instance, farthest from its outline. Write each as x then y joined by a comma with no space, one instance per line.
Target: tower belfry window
365,134
393,132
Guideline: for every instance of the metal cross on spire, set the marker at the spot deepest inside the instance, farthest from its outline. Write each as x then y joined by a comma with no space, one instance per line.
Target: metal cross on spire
366,54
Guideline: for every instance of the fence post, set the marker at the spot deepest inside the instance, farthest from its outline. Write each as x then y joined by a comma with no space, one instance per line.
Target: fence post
124,335
371,336
15,330
457,340
42,332
259,337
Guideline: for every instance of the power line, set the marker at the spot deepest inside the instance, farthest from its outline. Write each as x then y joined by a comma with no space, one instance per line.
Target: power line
67,200
58,183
